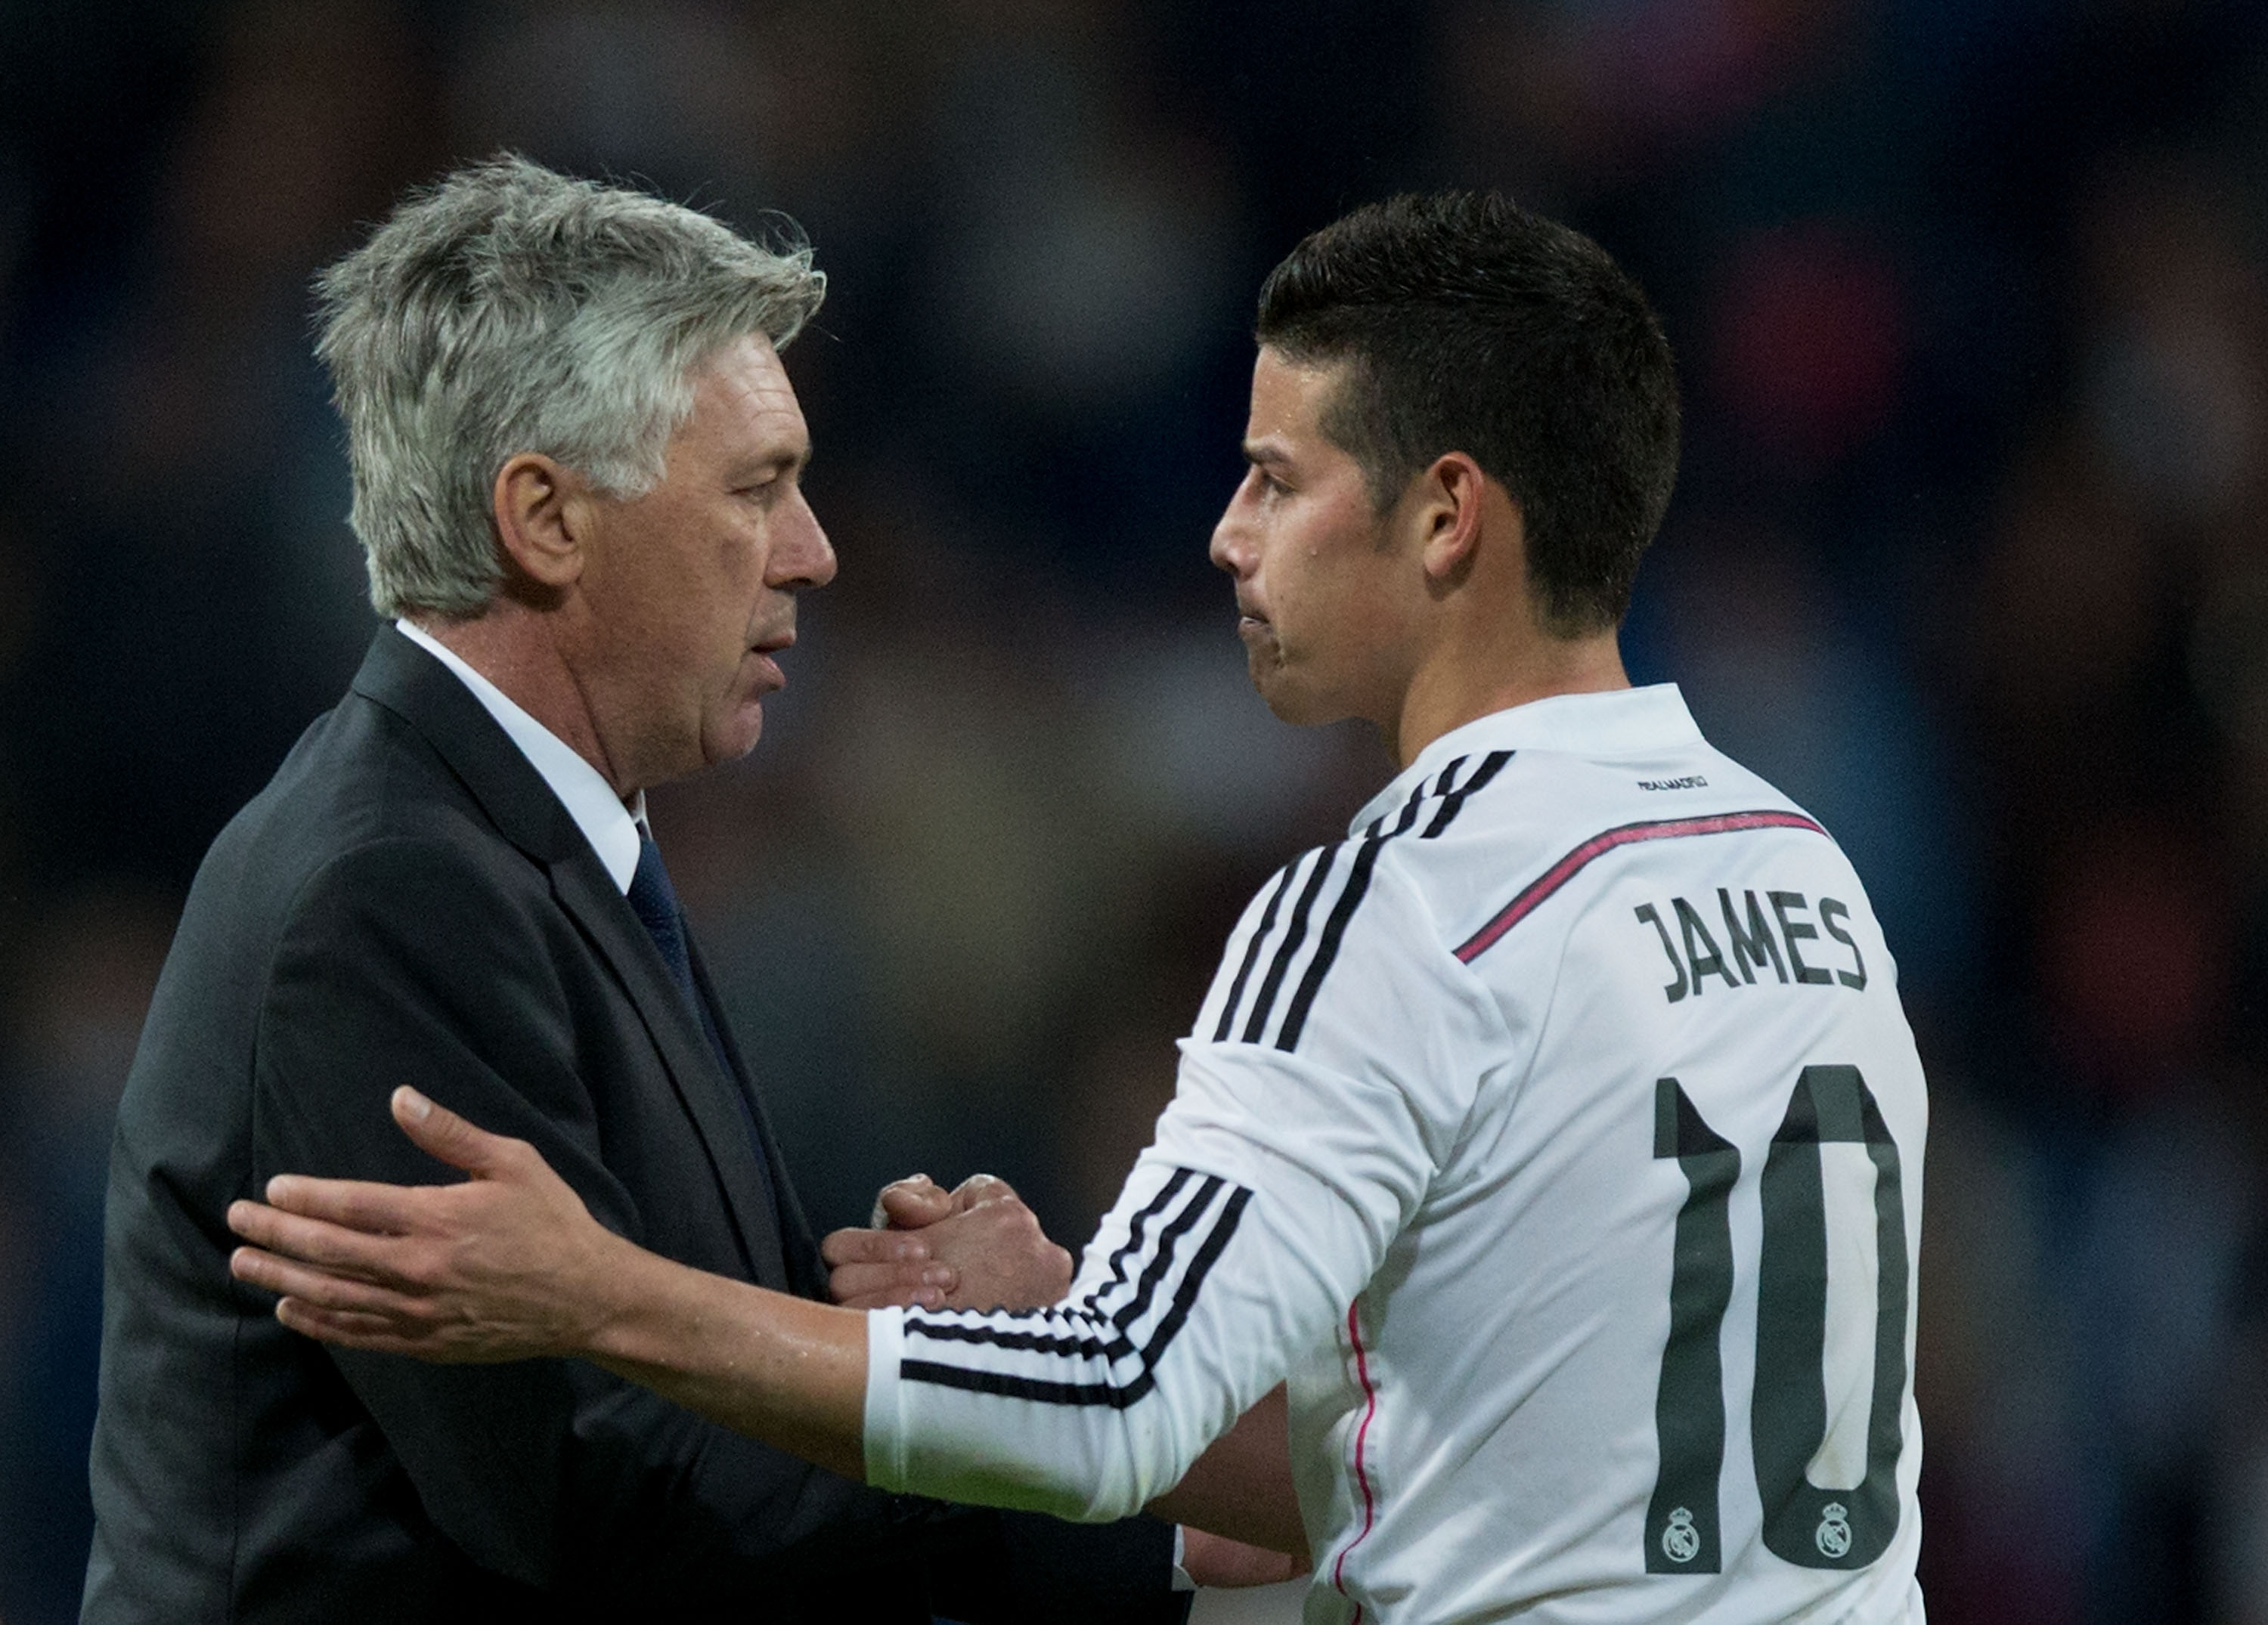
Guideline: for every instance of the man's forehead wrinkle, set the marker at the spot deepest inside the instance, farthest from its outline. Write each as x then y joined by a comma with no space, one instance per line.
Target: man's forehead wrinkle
760,399
749,370
766,391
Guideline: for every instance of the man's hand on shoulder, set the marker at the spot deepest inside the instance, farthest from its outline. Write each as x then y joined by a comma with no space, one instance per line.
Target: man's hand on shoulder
976,1246
507,1264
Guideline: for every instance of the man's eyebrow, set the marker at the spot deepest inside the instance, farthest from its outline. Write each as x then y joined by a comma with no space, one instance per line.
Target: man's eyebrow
781,462
1258,451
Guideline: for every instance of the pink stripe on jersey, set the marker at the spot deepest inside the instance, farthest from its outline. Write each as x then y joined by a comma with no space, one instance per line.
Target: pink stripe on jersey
1361,1476
1662,829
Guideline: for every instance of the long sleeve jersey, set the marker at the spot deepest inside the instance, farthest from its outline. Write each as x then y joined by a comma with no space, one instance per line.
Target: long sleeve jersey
1558,1138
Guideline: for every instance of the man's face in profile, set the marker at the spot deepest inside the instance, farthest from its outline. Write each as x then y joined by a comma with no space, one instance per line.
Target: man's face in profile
1321,592
690,588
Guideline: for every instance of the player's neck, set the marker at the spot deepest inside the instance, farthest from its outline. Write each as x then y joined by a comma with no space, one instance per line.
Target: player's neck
1458,686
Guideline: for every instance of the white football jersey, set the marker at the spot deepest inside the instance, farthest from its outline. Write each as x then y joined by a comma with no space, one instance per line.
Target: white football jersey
1558,1136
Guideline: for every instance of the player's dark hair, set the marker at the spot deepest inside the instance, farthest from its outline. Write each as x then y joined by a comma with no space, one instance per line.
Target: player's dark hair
1473,325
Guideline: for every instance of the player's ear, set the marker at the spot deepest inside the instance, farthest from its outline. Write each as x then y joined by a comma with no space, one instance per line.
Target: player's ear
1447,500
542,517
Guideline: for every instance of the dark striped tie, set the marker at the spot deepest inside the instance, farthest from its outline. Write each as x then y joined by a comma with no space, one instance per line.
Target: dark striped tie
654,901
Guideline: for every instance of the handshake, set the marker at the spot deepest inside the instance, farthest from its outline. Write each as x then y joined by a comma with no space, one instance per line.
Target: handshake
978,1246
975,1247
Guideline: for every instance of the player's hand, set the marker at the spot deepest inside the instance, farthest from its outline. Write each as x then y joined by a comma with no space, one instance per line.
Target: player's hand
507,1265
978,1247
1216,1560
882,1266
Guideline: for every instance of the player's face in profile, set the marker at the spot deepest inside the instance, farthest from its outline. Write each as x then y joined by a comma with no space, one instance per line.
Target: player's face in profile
1320,581
692,585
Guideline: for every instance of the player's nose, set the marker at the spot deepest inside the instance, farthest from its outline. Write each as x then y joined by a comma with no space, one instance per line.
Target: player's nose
1232,548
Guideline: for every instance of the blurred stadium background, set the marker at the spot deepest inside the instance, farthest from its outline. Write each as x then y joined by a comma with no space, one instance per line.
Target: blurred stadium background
1970,554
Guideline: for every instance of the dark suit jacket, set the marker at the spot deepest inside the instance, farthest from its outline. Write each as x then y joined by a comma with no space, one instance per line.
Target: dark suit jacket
407,902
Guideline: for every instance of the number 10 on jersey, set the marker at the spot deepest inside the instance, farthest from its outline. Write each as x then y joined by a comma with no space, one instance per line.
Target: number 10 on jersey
1803,1524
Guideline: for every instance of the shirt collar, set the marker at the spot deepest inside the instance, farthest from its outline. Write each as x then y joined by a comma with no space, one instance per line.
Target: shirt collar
610,828
1614,721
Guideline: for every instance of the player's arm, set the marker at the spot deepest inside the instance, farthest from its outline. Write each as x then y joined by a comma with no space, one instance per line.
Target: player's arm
510,1265
1278,1182
978,1245
1310,1117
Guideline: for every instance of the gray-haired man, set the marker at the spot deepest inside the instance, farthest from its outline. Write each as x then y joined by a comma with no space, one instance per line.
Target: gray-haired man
576,462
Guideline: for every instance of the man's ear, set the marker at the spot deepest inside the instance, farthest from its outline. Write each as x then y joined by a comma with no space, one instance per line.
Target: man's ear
1450,493
540,519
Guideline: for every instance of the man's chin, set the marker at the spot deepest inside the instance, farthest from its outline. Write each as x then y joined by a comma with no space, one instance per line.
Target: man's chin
1288,701
736,736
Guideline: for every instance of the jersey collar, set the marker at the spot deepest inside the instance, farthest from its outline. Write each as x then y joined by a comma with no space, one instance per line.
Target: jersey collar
1617,722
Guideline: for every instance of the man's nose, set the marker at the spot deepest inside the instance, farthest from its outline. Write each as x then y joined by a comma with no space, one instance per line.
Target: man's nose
1231,548
807,558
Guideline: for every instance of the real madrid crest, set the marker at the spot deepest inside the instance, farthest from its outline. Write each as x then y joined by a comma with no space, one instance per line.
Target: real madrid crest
1833,1535
1681,1542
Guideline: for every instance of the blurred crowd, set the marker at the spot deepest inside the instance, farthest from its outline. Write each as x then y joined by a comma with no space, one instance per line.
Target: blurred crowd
1969,554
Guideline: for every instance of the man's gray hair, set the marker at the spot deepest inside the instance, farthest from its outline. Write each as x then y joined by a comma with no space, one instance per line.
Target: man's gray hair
509,309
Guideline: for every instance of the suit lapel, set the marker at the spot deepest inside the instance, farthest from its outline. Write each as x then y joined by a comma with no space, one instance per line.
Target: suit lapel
805,1274
411,683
